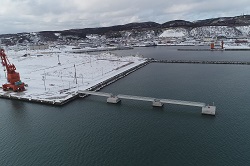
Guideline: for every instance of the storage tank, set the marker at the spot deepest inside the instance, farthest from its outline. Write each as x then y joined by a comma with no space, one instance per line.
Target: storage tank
212,45
222,44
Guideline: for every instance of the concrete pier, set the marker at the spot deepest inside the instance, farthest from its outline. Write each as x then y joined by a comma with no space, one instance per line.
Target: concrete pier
207,110
157,103
113,100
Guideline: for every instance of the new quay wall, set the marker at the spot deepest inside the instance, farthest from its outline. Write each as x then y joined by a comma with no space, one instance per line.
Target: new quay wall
76,95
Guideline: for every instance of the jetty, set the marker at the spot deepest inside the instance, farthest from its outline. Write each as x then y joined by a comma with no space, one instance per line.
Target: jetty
201,62
200,49
215,49
111,98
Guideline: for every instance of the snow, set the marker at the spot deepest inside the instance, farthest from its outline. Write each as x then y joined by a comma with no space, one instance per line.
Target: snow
208,31
245,30
92,36
178,32
49,81
214,31
57,34
237,46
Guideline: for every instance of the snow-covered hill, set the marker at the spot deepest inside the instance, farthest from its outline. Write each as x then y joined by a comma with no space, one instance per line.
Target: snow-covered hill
245,30
208,31
229,27
175,32
215,31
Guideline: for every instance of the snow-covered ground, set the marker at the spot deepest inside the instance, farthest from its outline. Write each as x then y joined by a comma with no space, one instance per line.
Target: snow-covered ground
49,81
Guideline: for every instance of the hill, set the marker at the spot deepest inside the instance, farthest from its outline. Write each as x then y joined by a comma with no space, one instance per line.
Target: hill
222,26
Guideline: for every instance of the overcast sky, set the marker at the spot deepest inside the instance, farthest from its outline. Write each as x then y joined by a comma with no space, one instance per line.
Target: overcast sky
37,15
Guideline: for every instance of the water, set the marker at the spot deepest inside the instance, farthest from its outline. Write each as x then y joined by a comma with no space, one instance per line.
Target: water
91,132
171,53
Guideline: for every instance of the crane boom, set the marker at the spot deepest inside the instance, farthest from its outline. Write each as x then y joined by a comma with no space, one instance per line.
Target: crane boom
13,77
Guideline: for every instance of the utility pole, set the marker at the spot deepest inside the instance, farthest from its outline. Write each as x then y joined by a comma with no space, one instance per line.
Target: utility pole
44,78
59,63
75,73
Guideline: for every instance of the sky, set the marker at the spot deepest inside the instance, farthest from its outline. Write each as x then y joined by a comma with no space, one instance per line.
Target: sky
40,15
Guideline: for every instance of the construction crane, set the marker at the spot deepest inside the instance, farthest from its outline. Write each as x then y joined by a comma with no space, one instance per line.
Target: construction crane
13,77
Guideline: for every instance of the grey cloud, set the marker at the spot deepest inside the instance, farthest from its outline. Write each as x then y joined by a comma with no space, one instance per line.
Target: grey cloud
36,15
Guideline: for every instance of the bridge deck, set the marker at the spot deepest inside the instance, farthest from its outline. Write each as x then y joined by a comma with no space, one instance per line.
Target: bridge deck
141,98
136,98
95,93
180,102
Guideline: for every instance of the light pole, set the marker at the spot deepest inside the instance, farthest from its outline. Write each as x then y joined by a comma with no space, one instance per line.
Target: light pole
75,78
59,63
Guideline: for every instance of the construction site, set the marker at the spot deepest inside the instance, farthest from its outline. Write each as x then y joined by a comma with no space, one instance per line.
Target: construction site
56,77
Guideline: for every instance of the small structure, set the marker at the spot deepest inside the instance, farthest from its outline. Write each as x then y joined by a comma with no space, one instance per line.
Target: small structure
208,110
212,46
113,100
157,103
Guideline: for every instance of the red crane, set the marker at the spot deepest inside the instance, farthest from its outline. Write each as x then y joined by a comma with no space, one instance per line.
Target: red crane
13,77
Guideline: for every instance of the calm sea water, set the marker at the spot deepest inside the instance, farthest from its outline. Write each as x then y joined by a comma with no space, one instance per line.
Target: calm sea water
91,132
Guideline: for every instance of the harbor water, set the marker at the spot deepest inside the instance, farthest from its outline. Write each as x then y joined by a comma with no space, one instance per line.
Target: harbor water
91,132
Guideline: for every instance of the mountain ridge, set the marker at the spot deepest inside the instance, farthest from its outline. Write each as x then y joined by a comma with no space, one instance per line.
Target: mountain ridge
137,28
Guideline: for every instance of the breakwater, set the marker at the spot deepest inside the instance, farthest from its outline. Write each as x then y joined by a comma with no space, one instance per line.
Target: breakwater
237,49
200,49
201,62
216,49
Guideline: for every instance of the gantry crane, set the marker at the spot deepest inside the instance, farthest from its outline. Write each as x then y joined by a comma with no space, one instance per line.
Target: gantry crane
13,77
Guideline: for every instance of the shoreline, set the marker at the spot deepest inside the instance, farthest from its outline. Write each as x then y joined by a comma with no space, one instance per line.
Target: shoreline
80,51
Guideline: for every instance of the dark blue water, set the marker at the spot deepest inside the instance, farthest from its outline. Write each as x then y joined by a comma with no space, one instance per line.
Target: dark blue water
91,132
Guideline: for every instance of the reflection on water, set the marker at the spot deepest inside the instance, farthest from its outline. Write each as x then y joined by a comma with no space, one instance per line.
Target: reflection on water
17,105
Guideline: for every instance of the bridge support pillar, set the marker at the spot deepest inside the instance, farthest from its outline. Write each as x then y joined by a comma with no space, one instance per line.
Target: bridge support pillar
113,100
208,110
157,104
